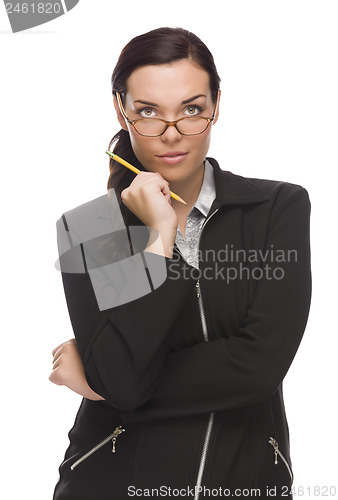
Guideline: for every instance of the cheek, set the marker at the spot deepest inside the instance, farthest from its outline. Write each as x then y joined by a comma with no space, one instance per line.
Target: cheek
200,144
141,145
134,140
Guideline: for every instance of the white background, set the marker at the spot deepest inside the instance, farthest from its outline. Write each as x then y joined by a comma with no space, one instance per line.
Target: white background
279,108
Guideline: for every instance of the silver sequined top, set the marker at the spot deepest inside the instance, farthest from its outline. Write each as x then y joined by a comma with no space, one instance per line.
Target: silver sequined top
196,217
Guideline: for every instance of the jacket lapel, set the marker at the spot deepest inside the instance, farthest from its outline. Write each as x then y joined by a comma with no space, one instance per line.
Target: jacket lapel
234,189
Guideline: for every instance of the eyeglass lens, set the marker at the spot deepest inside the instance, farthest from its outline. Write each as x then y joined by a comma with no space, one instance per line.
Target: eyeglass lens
153,126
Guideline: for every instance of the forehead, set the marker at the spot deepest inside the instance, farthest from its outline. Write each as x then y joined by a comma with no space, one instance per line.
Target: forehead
177,81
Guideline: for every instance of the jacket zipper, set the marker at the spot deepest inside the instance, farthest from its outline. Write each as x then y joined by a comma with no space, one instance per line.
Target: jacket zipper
112,437
206,338
277,452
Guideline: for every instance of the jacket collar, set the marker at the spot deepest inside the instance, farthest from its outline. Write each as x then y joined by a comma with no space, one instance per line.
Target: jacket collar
234,189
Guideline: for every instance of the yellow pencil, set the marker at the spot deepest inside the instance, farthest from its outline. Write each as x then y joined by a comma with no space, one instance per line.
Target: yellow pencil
137,171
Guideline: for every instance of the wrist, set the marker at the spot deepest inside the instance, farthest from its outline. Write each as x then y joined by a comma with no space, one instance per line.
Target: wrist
161,242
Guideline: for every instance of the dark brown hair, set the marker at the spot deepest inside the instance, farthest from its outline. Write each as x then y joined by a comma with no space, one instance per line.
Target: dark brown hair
159,46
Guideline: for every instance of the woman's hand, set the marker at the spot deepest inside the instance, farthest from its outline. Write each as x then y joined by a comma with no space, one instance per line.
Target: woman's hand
148,197
68,370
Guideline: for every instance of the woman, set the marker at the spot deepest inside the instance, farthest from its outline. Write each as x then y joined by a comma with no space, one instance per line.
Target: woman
183,381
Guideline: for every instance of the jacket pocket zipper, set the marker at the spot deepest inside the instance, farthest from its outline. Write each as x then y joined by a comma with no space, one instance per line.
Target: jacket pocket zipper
112,437
277,452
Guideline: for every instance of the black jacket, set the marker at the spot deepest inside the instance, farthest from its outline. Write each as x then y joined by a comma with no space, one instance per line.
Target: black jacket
193,370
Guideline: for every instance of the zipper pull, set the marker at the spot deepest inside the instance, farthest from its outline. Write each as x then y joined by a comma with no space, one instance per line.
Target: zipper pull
116,433
197,286
275,447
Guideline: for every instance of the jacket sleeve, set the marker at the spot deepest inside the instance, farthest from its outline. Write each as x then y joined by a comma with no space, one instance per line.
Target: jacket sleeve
123,348
248,367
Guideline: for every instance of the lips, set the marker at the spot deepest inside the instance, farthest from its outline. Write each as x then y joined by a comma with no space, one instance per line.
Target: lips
173,157
172,153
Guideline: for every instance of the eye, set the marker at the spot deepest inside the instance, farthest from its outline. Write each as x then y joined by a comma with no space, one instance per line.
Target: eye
146,112
193,110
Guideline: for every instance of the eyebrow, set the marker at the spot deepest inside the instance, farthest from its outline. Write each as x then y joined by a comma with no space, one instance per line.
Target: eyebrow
148,103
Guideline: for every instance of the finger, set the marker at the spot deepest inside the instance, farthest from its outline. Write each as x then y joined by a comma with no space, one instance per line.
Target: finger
57,355
70,341
57,348
148,177
157,179
68,346
57,360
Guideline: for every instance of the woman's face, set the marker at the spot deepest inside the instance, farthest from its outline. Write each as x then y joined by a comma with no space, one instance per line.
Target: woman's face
169,91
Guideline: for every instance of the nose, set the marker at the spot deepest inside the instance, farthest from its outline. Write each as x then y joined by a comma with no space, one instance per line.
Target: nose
171,134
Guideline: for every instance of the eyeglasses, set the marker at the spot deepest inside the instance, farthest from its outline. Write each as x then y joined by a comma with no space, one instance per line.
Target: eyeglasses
154,127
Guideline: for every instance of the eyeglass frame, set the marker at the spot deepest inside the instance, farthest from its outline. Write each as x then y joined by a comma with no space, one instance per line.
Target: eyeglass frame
167,123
